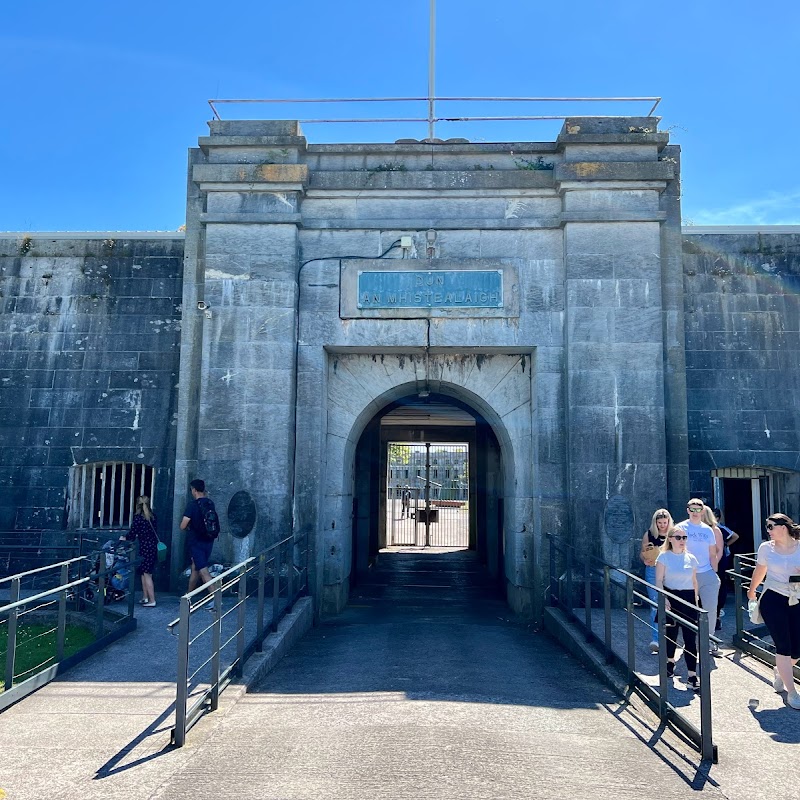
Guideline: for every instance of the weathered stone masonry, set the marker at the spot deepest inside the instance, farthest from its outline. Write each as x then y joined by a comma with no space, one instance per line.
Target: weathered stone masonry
89,345
625,363
273,225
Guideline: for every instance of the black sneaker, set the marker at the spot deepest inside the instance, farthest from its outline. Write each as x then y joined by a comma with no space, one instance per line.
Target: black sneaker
693,682
718,626
670,669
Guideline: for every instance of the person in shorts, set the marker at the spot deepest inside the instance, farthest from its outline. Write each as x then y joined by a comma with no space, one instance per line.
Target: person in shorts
200,544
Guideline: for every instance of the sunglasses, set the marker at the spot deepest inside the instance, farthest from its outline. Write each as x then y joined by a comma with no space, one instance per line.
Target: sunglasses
694,508
662,516
679,538
772,524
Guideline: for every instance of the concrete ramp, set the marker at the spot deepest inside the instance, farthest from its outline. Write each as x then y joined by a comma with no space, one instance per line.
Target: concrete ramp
426,687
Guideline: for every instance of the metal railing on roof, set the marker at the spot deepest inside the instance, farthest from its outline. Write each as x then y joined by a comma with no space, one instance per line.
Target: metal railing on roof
431,118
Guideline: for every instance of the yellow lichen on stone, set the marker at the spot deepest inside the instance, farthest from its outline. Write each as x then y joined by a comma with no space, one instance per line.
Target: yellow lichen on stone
587,169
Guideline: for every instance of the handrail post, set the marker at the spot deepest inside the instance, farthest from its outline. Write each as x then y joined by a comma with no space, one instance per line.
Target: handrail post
216,642
570,599
661,636
607,611
738,594
133,559
240,621
262,572
61,631
704,657
11,641
182,689
289,573
587,599
631,633
276,589
100,598
553,584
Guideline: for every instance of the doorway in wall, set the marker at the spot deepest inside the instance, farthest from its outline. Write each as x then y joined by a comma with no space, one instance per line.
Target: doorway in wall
428,477
427,495
747,495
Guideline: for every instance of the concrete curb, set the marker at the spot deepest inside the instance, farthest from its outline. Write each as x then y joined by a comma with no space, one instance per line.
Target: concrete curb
573,640
291,629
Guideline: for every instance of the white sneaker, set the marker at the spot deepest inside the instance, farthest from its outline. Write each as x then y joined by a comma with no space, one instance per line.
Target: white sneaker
777,682
793,699
713,650
721,612
654,647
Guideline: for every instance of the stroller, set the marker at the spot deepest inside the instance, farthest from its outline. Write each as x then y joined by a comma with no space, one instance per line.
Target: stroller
114,556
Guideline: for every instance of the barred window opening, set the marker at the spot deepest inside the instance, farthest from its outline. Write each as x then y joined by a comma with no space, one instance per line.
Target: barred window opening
104,493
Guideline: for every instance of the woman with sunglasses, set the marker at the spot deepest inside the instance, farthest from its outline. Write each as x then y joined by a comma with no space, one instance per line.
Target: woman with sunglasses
779,563
706,546
652,542
676,572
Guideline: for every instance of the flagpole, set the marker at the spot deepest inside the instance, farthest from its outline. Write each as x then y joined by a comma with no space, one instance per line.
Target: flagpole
431,68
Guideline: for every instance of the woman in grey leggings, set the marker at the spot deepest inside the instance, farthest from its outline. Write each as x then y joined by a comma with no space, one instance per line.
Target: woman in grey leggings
707,549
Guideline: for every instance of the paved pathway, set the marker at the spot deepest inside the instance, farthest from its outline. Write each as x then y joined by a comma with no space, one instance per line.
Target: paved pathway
423,687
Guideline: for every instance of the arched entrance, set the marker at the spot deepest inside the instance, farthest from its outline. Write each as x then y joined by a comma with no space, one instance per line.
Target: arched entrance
363,391
428,475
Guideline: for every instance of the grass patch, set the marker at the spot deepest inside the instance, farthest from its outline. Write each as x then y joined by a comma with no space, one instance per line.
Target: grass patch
36,647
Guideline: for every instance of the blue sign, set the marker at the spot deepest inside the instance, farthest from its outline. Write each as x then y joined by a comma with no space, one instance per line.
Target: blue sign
431,289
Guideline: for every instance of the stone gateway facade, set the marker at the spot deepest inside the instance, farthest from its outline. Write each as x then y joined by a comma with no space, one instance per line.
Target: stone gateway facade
536,301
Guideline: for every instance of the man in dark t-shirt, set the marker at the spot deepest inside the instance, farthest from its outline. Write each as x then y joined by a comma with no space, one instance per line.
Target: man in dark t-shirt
200,546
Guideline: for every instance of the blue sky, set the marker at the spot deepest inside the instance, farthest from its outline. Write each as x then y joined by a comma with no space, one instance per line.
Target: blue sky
102,100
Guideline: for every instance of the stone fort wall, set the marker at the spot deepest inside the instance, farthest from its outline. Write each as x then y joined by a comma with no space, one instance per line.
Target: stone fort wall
742,319
90,350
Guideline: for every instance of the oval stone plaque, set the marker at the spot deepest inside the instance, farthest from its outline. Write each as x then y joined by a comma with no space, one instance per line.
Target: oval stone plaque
618,519
241,514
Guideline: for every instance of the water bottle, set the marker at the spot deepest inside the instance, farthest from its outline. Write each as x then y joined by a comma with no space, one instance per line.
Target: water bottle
752,605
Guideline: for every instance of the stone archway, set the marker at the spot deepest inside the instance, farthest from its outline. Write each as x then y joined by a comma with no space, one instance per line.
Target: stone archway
360,385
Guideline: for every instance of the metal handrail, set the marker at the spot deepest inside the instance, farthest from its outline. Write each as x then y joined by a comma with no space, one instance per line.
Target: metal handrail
656,698
749,640
252,572
20,575
18,606
431,117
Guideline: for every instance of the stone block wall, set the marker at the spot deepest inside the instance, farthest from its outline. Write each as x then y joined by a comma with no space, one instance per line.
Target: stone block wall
89,349
742,317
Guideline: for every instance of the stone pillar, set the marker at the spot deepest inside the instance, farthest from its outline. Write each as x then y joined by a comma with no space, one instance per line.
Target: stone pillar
610,181
251,184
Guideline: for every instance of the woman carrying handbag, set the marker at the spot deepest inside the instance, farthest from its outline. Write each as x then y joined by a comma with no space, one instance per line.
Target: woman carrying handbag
144,529
778,562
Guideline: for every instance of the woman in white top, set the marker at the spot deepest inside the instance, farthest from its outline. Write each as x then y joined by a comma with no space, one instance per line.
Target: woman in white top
676,572
779,562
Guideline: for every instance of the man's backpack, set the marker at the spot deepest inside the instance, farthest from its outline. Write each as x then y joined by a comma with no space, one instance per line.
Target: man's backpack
210,518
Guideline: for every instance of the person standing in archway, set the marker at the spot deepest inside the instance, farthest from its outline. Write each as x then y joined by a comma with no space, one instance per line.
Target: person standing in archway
405,501
703,545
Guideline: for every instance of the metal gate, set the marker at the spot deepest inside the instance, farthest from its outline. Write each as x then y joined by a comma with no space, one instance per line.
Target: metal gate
427,496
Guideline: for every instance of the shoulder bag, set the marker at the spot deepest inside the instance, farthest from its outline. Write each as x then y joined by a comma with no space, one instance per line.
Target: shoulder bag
161,548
